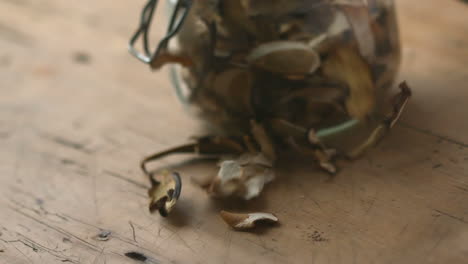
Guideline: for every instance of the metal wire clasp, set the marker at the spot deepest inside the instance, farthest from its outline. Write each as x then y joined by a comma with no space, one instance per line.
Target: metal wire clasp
176,21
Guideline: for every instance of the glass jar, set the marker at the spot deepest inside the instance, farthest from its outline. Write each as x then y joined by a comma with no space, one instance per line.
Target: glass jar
292,65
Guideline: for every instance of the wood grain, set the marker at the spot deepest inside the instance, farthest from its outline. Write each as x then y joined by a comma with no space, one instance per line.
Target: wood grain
77,113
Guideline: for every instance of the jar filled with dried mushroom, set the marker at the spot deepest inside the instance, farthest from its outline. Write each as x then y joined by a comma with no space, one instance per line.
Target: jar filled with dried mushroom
324,65
311,75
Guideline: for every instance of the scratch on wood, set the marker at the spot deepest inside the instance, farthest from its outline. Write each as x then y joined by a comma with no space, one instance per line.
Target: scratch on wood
462,188
430,133
460,219
115,235
133,231
35,246
14,35
22,253
118,176
98,256
59,230
69,143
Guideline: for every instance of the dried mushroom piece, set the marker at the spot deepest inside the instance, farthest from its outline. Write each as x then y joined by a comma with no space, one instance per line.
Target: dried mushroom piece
164,192
263,139
288,58
358,16
244,177
209,145
247,221
166,57
399,103
234,86
324,157
345,65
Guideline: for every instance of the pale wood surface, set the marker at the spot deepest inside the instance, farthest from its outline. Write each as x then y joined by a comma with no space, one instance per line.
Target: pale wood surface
72,133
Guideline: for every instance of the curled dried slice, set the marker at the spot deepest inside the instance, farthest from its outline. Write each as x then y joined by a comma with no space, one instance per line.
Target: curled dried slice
358,17
399,103
287,58
164,193
247,221
347,66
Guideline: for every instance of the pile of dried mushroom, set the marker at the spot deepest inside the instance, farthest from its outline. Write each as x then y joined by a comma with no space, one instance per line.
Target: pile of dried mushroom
310,76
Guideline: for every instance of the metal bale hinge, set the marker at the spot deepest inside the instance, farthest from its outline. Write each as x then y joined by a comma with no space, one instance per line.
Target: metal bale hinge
176,21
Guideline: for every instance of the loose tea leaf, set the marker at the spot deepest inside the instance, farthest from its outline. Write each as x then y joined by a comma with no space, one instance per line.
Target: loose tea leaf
247,221
165,192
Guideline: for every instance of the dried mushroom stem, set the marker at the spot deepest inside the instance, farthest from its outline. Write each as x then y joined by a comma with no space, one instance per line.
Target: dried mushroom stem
204,146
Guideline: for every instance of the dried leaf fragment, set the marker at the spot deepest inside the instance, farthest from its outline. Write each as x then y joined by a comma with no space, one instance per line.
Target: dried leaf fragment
247,221
165,193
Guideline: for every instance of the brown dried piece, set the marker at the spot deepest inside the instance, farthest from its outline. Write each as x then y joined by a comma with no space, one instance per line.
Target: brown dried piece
244,177
165,192
358,17
264,140
247,221
282,128
209,145
289,58
323,156
167,57
347,66
234,87
399,103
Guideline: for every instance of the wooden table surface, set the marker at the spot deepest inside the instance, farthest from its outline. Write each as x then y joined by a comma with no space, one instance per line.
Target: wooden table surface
77,113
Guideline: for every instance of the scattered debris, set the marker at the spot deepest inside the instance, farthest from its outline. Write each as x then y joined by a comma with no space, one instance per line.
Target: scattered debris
317,237
82,57
136,256
247,221
104,235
